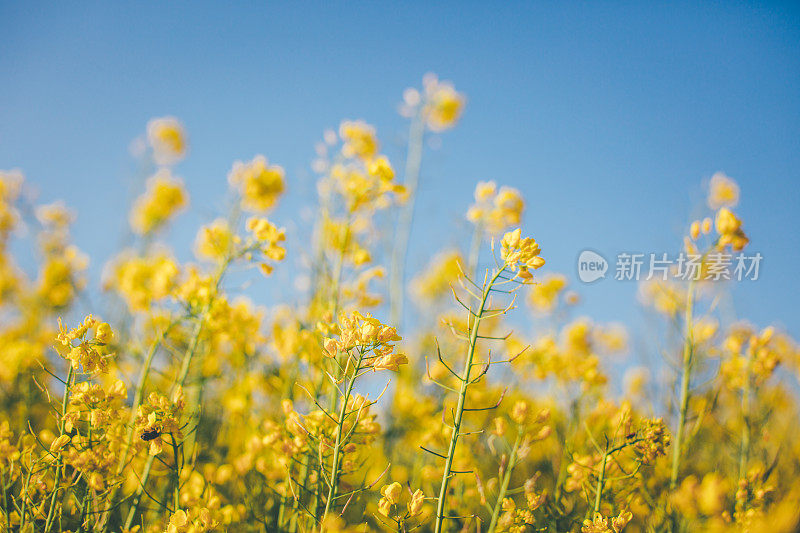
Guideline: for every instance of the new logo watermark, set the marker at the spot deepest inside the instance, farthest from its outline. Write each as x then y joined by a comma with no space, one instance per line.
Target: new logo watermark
631,266
591,266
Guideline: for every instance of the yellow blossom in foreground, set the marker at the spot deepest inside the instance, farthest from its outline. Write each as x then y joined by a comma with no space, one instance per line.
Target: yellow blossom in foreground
362,336
164,197
520,254
10,184
88,355
259,183
159,417
600,523
390,505
167,138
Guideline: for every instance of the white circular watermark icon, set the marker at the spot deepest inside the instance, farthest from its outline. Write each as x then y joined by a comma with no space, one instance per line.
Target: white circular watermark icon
591,266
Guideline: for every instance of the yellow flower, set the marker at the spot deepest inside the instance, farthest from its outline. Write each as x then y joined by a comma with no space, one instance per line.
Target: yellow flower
496,210
722,192
415,505
167,139
55,215
268,239
178,521
392,492
544,295
164,197
443,104
730,231
259,183
359,139
143,280
59,443
520,254
214,241
436,279
519,413
88,356
10,187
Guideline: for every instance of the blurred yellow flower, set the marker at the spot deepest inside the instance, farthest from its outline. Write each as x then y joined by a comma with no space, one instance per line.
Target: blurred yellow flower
167,138
443,104
496,210
722,192
259,183
164,197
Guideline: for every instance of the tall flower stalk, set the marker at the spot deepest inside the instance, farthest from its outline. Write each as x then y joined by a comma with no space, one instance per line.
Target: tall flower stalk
519,256
416,137
437,108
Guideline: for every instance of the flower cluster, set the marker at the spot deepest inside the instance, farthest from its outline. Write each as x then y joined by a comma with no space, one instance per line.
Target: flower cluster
439,105
164,198
268,241
369,338
543,295
87,354
520,254
391,503
167,139
160,417
259,183
600,524
496,210
143,281
730,231
651,440
363,177
225,409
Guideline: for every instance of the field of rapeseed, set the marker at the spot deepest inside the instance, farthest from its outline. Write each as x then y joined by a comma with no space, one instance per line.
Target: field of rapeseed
180,405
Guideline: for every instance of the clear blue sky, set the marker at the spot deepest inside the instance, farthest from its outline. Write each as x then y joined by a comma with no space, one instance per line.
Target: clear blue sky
607,116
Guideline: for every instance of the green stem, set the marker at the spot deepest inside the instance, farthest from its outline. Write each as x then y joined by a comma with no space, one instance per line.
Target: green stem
137,401
562,464
462,397
187,361
25,487
744,452
475,249
406,219
688,349
334,485
512,461
600,482
339,266
60,466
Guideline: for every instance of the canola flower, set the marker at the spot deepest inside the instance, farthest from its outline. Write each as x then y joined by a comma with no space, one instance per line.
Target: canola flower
194,406
167,138
259,183
496,209
164,198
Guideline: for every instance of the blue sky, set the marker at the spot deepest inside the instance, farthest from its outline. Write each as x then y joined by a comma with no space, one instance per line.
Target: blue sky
608,116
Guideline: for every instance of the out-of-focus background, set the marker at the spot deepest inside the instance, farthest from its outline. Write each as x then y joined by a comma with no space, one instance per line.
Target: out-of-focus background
608,118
